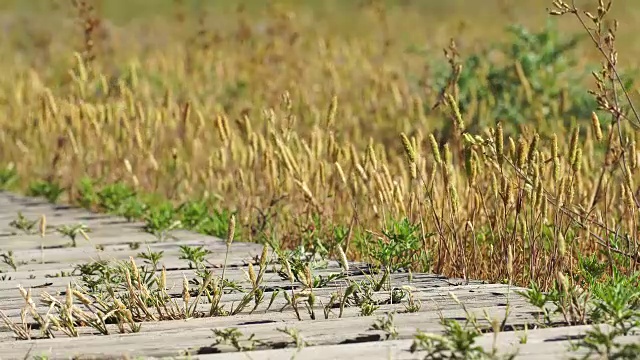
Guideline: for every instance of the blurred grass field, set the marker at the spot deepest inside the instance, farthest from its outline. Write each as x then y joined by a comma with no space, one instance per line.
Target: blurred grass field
235,106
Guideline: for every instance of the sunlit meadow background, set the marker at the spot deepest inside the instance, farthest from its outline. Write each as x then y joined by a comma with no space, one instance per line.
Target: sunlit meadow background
291,113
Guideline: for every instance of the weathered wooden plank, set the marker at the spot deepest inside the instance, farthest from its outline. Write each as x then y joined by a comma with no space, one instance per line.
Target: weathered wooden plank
22,242
54,259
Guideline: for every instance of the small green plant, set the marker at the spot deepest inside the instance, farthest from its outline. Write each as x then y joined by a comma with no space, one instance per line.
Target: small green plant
152,257
233,337
133,209
194,255
386,324
46,189
160,221
400,247
413,304
298,340
72,232
87,195
24,224
112,197
8,259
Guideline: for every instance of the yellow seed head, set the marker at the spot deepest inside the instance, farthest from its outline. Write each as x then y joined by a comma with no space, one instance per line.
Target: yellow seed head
252,275
473,171
561,191
408,149
522,153
413,170
163,278
362,173
69,297
577,161
82,297
562,282
595,122
500,142
185,289
341,173
372,156
435,149
231,230
573,145
263,256
572,189
458,122
287,268
556,169
513,151
537,198
533,147
307,273
136,273
562,246
453,193
343,258
43,225
447,155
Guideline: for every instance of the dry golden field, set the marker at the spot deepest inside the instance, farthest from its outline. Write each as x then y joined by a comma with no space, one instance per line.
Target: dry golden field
315,121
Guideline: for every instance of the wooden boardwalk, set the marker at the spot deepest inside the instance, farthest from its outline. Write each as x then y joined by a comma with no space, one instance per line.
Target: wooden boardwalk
350,336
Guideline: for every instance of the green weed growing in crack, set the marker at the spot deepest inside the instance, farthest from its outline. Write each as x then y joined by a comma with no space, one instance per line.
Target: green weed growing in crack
399,247
233,337
256,280
294,334
8,259
151,257
305,296
24,224
296,266
256,293
412,304
72,232
194,255
387,325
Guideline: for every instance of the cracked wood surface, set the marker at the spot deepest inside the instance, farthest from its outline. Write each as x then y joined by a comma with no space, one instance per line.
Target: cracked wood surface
351,336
